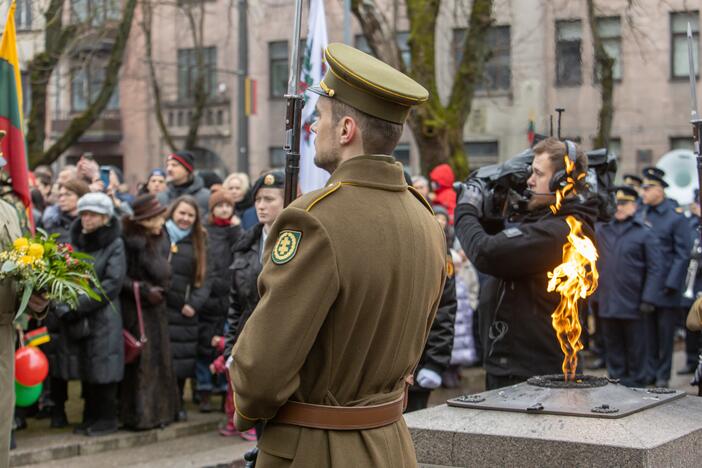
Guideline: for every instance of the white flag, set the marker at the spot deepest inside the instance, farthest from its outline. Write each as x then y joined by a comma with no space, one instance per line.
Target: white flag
312,71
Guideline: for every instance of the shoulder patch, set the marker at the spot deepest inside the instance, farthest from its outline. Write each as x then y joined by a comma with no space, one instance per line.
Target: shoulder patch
286,246
421,198
449,266
512,232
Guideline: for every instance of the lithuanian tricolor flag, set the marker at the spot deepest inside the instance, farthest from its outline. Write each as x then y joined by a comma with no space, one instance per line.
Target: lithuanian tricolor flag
11,119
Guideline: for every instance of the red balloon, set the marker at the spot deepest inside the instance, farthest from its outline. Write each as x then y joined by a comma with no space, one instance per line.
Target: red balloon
31,366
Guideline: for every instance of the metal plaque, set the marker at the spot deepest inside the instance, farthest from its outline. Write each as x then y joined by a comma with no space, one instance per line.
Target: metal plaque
609,401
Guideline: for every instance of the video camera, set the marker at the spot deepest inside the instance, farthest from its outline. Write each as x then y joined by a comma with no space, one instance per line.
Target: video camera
506,197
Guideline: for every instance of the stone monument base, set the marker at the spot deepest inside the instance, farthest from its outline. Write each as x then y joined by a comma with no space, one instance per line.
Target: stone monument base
669,435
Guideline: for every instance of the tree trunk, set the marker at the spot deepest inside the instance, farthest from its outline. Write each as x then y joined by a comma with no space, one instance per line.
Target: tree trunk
146,27
200,94
80,124
437,128
605,66
41,67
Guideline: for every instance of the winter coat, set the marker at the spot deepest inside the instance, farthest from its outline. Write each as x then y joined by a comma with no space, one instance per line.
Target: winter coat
693,221
243,293
8,302
630,268
674,236
443,179
97,358
515,309
148,393
213,315
195,187
183,330
464,347
56,221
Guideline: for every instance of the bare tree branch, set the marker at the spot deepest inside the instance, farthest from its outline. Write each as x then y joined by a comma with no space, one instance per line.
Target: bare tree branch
605,69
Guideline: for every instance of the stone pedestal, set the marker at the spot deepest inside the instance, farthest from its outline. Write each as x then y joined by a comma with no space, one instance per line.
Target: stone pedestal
669,435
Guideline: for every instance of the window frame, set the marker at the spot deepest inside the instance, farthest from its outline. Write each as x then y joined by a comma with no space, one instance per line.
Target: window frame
90,69
22,13
188,70
457,56
595,74
558,82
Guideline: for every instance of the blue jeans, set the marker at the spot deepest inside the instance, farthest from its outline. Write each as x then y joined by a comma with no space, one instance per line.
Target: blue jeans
206,381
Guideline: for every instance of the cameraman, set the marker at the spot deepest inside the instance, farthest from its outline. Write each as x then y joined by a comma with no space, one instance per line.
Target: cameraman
518,340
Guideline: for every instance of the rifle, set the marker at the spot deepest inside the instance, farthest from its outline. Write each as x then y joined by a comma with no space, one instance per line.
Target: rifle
293,114
696,122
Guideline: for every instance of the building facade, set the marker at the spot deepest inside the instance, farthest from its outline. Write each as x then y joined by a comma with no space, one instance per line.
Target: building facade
541,58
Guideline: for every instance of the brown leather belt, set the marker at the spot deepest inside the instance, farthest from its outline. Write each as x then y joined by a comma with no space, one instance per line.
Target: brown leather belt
340,418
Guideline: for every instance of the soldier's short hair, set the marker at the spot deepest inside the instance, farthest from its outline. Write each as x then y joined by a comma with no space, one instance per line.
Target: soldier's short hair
379,136
556,150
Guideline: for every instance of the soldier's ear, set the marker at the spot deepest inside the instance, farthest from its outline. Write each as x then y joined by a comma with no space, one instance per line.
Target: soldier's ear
348,130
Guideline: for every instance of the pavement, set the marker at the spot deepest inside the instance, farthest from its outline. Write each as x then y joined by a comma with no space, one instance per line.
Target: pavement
194,443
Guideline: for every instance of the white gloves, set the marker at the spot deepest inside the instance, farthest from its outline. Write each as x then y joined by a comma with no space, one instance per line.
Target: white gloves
427,378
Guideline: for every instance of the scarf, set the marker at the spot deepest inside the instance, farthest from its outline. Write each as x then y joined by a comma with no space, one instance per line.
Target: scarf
221,221
175,233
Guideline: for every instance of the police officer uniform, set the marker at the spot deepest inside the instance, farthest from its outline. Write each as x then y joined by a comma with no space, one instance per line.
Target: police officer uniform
630,273
673,233
352,279
633,181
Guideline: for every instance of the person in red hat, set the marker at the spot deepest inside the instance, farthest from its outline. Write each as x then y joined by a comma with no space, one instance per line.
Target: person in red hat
182,180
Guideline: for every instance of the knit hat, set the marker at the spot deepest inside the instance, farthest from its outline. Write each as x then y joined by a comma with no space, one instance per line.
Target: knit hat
146,206
96,202
271,179
184,158
156,172
220,196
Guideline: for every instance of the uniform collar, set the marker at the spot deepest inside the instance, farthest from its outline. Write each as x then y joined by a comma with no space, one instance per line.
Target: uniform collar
376,171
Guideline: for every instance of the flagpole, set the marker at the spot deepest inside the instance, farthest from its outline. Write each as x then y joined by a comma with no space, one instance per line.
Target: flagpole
347,22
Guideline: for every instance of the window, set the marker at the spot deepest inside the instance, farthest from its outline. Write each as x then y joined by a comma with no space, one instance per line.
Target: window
682,143
680,62
481,153
615,147
278,68
23,15
277,157
610,31
402,154
402,39
96,12
568,59
86,82
497,74
188,71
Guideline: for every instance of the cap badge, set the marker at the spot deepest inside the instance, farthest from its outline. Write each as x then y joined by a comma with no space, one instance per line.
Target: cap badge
269,179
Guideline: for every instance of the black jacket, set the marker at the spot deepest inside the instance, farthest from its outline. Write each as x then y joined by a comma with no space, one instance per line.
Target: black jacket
182,329
437,351
243,295
55,221
99,357
515,309
195,187
213,315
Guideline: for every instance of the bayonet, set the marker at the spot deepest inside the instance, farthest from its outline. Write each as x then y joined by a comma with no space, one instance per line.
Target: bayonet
693,79
293,114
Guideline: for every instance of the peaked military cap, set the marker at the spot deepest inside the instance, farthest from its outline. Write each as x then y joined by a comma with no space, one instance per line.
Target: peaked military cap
632,180
652,179
626,194
652,170
369,85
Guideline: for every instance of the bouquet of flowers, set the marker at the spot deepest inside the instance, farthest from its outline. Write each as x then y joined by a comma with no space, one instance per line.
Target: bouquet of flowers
39,264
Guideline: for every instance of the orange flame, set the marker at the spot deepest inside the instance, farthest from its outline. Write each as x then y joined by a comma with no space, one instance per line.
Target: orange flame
574,279
569,184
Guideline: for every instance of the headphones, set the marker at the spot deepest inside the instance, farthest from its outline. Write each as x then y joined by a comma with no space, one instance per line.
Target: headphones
560,178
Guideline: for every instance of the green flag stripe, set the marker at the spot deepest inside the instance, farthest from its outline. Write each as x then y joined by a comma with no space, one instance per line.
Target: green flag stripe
8,94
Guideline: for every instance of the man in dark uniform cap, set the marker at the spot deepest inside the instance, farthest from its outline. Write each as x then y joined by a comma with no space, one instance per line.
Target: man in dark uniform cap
633,181
630,274
673,234
352,279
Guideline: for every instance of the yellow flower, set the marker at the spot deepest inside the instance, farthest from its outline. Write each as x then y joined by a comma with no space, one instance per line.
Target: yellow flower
36,250
21,243
26,260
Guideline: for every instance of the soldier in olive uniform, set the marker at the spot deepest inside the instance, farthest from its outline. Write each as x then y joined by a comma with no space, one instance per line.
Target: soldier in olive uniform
352,279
